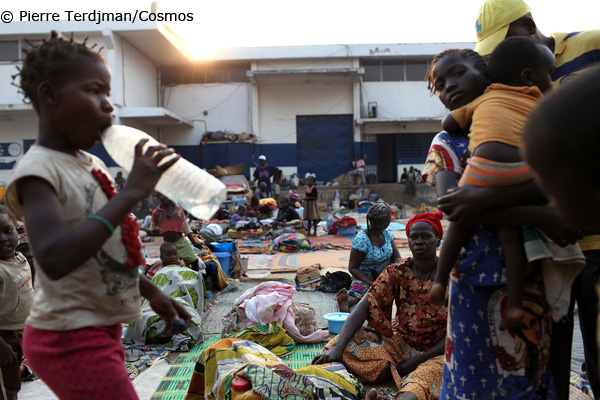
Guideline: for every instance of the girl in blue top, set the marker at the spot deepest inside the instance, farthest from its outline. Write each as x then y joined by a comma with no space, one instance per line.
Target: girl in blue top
372,251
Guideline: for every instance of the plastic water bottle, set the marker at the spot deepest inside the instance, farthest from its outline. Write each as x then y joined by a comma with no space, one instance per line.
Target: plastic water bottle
192,188
178,325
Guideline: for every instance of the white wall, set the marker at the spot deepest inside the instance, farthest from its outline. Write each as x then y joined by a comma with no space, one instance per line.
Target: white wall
401,167
228,106
279,105
401,100
8,93
139,77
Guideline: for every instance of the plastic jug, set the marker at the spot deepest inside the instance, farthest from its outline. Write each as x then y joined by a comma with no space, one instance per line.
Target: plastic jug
192,188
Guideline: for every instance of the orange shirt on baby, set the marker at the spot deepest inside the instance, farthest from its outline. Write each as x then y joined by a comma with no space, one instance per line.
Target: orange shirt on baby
498,115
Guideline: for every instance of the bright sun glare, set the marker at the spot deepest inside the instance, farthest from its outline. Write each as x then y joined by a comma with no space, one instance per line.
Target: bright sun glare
239,23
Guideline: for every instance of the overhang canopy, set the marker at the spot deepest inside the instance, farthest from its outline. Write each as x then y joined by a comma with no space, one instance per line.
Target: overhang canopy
399,125
153,116
313,75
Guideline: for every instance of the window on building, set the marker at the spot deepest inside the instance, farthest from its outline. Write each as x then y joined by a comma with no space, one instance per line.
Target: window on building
238,73
390,70
372,71
9,51
211,75
204,73
416,70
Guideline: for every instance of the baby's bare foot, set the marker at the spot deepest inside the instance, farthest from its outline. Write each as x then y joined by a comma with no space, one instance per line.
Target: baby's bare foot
342,300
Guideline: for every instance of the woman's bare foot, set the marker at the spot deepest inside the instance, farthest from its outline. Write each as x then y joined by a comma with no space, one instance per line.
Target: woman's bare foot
513,318
342,300
437,293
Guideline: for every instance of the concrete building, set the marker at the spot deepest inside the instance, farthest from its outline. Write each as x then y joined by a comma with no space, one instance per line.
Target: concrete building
303,106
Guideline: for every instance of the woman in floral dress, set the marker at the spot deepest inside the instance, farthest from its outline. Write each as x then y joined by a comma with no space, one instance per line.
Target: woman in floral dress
409,345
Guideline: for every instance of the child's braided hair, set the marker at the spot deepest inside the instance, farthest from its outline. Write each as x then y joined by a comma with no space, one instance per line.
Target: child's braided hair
468,54
49,60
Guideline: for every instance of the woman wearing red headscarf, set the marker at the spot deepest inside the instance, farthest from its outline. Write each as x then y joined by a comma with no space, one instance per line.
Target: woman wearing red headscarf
410,351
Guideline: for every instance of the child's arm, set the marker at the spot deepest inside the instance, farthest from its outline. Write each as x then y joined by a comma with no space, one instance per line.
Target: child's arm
396,258
60,249
450,125
444,181
458,204
459,120
194,241
7,355
166,307
187,231
154,228
468,200
312,195
356,258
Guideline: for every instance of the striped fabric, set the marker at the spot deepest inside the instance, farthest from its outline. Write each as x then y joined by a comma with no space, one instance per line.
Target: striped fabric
575,53
482,172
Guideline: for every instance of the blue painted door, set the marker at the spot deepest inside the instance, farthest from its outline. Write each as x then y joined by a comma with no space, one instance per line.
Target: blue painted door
324,143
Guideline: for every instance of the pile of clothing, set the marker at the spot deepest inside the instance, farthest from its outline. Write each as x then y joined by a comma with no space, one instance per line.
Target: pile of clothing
291,243
272,302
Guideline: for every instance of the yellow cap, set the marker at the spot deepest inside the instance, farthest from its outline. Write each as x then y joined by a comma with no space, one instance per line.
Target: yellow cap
493,21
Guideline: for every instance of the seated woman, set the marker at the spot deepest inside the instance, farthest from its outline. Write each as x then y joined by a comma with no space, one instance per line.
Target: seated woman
372,251
412,350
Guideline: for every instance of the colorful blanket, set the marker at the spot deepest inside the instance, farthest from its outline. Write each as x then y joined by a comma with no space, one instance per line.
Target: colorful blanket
140,358
187,287
291,243
270,377
271,336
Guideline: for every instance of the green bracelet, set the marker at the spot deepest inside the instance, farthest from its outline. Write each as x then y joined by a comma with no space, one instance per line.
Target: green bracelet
108,225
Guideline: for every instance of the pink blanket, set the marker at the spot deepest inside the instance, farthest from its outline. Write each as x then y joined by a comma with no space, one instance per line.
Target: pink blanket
271,301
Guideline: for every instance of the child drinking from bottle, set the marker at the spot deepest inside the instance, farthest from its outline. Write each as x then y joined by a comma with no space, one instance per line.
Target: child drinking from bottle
16,296
84,240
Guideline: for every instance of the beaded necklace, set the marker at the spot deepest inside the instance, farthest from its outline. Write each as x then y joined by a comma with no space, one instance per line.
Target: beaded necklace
417,273
129,227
